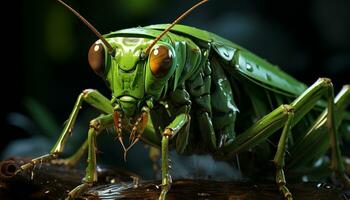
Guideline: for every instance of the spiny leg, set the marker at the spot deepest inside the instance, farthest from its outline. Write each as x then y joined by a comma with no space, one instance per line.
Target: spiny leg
318,131
138,127
166,177
72,160
117,115
180,103
279,156
326,118
172,129
96,126
316,142
337,164
90,96
278,118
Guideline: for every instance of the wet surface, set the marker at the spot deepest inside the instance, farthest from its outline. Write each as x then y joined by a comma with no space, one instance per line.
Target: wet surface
203,189
53,182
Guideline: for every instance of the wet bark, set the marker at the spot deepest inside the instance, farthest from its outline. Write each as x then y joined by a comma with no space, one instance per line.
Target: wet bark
53,182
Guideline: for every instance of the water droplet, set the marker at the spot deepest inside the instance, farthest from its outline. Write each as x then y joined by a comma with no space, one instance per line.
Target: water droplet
203,194
305,179
205,53
268,77
237,66
32,174
249,67
328,187
226,53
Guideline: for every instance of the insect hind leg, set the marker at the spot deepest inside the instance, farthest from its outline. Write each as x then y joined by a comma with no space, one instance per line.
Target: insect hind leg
279,156
278,118
315,142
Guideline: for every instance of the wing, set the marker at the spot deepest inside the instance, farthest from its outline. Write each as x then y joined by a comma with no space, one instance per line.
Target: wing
244,62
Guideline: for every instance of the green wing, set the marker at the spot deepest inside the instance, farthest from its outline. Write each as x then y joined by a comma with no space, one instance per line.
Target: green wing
246,63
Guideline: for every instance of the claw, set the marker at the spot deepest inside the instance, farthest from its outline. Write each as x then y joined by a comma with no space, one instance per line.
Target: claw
135,181
32,164
130,146
40,159
117,122
142,121
138,127
122,142
165,187
118,128
133,133
25,167
76,192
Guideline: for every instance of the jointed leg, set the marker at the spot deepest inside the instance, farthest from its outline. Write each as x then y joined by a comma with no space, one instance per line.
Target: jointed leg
279,156
278,118
96,126
337,164
316,142
179,122
93,98
166,178
72,160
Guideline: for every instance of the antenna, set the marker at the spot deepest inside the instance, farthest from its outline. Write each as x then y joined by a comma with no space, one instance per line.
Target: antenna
91,27
173,24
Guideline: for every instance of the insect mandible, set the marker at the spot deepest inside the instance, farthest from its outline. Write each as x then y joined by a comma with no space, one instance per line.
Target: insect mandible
178,87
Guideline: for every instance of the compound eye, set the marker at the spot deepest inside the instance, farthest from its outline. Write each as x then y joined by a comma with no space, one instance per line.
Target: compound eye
96,58
161,60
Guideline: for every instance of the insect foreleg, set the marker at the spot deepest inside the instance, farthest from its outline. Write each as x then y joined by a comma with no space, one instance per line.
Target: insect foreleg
92,97
71,161
96,126
170,131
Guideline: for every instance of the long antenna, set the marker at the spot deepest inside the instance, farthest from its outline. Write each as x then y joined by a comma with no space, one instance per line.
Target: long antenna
172,25
91,27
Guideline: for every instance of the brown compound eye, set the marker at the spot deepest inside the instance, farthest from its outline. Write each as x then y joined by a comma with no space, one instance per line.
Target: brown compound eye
161,60
96,58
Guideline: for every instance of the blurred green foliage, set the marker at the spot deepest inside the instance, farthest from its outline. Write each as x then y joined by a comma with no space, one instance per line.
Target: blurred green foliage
59,34
139,8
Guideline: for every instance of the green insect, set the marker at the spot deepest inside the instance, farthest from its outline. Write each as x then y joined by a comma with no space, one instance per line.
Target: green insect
178,87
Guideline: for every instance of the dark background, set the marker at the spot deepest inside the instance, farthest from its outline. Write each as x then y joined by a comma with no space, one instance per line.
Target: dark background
44,58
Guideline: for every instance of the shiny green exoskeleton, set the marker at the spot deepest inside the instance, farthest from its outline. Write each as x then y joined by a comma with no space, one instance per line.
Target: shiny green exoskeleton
196,92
